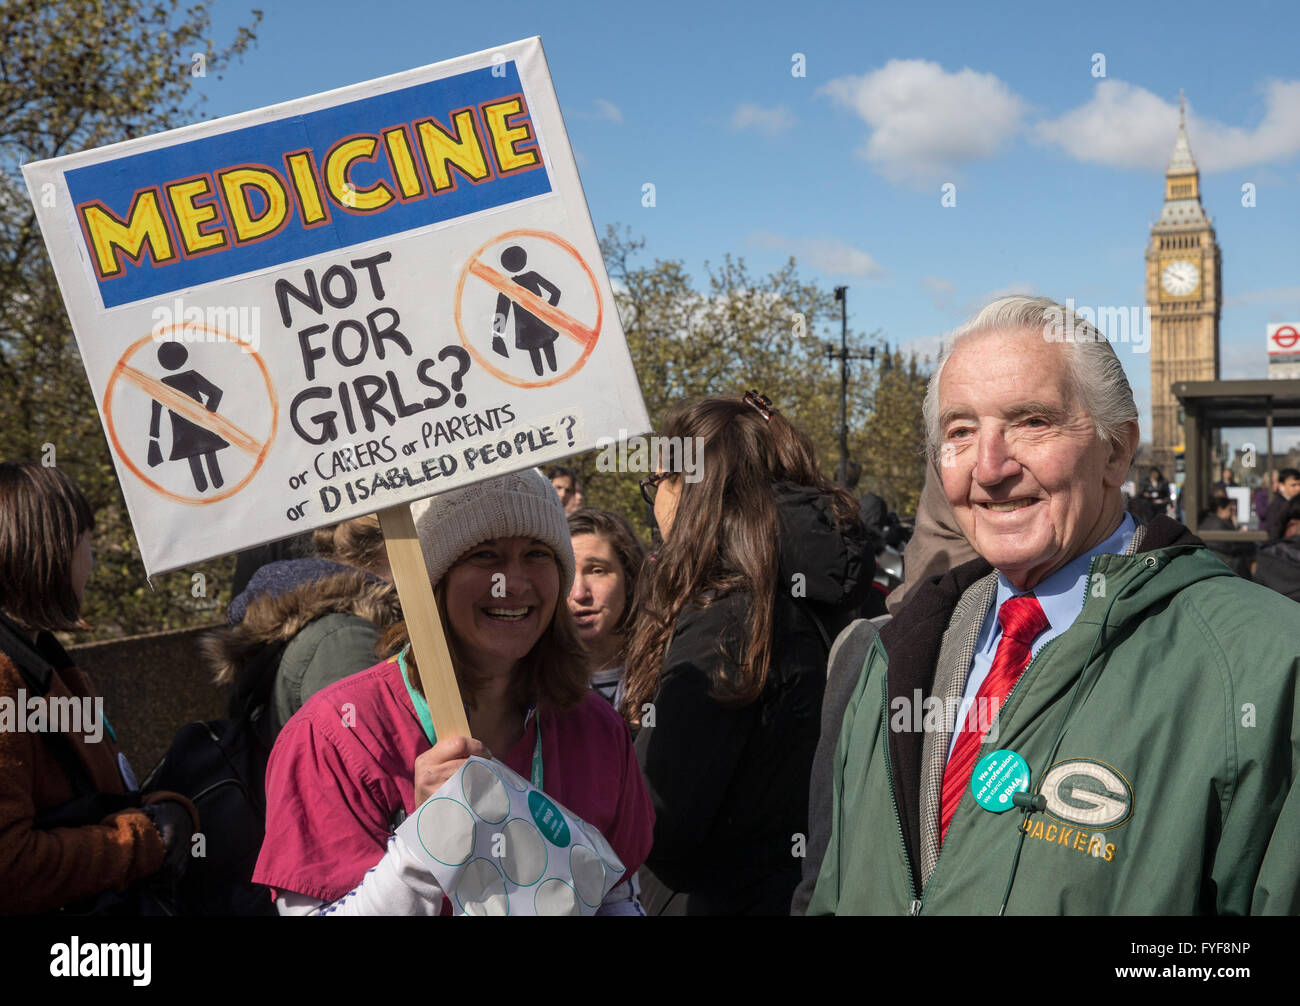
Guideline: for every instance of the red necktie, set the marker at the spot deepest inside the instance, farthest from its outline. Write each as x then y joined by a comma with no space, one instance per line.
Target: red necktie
1022,619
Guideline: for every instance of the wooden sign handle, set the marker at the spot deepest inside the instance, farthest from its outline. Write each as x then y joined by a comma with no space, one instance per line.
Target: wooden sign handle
411,576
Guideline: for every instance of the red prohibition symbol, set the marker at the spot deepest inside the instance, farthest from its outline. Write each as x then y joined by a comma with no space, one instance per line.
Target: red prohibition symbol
1286,336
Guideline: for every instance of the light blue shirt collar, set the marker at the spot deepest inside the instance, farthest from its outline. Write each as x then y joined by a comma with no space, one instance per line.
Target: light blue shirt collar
1062,594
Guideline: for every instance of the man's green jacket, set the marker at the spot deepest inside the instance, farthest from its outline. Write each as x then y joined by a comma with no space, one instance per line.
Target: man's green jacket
1172,787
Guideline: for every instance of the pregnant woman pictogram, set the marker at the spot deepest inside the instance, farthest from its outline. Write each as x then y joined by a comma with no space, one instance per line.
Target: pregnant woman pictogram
189,441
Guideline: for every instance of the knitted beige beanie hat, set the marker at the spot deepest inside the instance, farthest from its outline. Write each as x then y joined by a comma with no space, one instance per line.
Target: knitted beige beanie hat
521,505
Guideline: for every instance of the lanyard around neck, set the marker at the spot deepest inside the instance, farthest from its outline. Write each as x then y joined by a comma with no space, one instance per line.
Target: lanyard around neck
426,720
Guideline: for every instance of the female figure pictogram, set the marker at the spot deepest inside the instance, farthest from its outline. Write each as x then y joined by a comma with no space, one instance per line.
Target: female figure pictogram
531,333
189,441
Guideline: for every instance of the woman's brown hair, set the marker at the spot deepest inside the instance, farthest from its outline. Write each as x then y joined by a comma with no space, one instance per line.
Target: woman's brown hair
358,542
724,538
42,517
553,673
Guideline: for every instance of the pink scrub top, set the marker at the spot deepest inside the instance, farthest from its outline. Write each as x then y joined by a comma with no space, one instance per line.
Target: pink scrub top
344,764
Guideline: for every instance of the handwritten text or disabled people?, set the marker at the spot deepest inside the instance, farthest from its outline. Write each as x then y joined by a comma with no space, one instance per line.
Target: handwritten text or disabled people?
476,457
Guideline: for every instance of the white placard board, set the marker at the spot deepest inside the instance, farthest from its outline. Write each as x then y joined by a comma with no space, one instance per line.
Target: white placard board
313,311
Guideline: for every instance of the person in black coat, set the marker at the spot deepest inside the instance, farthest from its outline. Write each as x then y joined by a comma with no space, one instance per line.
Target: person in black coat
1284,506
1221,516
763,563
1278,564
1155,496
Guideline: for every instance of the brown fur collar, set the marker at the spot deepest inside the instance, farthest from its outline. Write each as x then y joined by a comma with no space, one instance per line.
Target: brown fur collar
276,619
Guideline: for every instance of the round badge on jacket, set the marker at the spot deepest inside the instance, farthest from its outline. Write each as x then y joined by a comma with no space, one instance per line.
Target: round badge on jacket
997,778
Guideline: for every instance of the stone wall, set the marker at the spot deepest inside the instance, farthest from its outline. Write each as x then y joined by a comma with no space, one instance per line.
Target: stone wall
152,686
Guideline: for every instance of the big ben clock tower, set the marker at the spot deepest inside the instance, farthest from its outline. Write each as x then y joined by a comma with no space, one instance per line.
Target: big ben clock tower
1183,292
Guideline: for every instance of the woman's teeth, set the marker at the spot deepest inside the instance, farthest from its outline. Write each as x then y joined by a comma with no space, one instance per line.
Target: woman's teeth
507,614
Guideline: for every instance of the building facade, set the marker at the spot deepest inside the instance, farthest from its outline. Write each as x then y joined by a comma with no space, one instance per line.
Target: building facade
1184,294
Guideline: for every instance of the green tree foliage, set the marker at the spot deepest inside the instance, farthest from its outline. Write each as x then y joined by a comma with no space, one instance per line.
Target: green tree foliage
740,332
891,445
75,75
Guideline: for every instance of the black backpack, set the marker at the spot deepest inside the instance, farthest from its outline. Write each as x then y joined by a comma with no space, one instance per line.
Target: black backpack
221,766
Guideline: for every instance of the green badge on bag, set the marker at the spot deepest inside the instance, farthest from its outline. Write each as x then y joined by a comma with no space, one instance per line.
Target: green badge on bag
997,778
549,819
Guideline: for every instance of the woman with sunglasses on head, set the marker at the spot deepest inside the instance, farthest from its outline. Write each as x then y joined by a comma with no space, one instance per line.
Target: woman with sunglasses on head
763,563
361,755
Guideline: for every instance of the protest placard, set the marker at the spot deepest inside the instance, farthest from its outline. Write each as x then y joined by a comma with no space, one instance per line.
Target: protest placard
301,314
334,306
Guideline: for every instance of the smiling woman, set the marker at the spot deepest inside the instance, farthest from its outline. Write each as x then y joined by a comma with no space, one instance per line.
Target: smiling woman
362,755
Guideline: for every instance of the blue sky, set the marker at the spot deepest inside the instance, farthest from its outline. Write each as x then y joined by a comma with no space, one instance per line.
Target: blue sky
1058,172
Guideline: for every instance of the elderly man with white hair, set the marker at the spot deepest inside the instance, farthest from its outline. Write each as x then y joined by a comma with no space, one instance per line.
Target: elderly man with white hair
1092,717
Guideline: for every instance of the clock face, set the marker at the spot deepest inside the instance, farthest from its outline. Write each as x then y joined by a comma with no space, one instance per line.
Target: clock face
1180,278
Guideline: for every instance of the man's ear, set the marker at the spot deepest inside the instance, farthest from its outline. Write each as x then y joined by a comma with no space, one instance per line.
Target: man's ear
1121,455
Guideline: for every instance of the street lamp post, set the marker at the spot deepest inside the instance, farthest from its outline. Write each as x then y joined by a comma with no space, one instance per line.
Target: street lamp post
842,295
844,356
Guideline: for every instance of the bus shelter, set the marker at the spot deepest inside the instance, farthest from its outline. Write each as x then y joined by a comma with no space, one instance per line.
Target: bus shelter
1208,408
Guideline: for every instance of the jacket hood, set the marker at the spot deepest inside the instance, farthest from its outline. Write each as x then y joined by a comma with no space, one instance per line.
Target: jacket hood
280,577
936,598
273,618
1167,548
836,560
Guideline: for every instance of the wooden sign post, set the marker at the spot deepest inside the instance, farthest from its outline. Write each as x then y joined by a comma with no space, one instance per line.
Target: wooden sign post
420,609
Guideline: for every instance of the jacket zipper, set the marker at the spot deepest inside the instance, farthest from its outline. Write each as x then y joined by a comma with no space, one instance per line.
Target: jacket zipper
917,903
914,905
1088,582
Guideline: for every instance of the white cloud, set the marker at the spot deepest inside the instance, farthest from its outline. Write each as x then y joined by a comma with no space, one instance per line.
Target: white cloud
608,110
1122,125
925,121
828,255
605,110
768,121
973,305
939,290
1127,126
1283,296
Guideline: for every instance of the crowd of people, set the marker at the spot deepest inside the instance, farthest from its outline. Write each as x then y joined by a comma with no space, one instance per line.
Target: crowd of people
717,708
1275,504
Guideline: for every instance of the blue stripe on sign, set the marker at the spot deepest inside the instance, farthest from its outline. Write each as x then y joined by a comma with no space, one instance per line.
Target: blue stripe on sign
150,189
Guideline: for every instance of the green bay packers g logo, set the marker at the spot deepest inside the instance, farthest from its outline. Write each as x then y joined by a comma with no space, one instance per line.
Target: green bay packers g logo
1087,792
